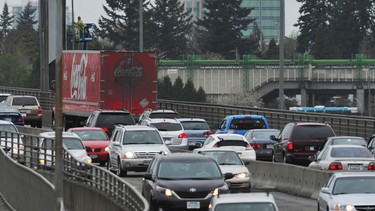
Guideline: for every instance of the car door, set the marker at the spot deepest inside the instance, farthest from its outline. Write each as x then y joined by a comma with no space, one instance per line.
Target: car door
282,138
147,185
223,127
115,146
371,145
320,161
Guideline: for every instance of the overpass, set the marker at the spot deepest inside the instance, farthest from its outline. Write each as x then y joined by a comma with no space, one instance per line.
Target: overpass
106,189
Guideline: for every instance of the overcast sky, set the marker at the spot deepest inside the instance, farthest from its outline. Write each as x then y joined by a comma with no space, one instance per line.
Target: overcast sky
90,11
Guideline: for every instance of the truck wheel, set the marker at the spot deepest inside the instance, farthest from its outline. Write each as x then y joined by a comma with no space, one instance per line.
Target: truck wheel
120,172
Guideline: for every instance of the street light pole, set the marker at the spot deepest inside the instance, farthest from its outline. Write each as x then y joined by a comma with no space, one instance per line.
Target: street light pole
141,26
281,55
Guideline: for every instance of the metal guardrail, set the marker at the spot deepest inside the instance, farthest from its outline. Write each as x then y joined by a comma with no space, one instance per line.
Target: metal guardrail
22,148
213,113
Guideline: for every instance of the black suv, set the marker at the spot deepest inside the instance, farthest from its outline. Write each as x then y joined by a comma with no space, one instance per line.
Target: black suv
297,141
183,181
107,119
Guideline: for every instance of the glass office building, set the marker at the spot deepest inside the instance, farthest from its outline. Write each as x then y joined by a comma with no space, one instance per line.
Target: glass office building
266,13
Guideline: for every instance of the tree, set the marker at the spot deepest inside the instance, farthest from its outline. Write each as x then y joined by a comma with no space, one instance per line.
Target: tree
272,51
220,29
165,88
257,45
177,89
12,71
172,26
6,21
201,95
189,91
290,45
121,27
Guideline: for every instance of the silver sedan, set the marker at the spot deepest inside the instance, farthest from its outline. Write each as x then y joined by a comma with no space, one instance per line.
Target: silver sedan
348,191
343,158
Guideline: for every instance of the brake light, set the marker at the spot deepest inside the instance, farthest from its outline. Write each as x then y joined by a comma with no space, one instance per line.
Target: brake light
290,146
105,129
335,166
183,135
371,166
39,110
207,133
20,119
256,146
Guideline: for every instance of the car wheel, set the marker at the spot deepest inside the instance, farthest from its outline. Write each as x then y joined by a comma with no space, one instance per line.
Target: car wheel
120,172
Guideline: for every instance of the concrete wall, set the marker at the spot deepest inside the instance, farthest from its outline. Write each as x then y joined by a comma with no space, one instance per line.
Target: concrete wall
291,179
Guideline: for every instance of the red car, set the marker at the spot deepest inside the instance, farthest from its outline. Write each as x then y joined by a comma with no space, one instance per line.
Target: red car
96,142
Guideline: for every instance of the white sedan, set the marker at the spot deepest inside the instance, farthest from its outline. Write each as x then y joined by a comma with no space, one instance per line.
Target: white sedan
348,191
235,142
343,158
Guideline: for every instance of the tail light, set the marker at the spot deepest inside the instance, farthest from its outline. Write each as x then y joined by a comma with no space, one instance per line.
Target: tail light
207,133
39,110
256,146
105,129
290,146
371,166
20,119
335,166
183,135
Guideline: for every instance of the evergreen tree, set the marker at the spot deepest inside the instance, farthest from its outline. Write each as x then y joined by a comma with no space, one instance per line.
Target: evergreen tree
12,71
177,89
6,21
257,44
172,26
201,95
272,51
220,30
165,88
121,27
189,91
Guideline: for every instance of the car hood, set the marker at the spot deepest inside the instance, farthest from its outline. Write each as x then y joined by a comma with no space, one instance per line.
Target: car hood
185,185
96,144
234,169
146,147
355,199
79,154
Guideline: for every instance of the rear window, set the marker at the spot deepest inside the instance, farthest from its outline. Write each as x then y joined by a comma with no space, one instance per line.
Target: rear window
111,119
24,101
312,132
142,137
349,141
351,153
232,143
247,124
163,115
73,143
167,126
195,125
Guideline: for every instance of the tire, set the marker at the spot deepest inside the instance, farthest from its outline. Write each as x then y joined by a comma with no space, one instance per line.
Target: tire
120,172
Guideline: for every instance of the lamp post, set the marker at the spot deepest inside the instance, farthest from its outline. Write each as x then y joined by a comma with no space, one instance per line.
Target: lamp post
281,55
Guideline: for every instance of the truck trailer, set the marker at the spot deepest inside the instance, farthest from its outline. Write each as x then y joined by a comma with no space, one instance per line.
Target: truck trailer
112,80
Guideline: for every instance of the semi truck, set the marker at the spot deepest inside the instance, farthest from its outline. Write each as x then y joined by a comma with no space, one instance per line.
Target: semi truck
111,80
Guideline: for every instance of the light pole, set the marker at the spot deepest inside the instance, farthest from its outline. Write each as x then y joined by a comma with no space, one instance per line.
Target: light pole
360,105
141,26
281,55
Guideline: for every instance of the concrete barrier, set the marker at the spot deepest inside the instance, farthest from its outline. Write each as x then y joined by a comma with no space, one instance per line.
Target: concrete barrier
291,179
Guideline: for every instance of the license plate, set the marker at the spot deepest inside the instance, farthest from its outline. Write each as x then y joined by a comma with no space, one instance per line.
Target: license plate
355,167
23,114
269,146
93,156
312,148
193,205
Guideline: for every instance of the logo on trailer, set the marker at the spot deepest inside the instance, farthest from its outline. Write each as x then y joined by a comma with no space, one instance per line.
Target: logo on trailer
129,71
78,78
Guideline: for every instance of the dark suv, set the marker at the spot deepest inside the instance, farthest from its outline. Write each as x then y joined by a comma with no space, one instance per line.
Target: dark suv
297,141
183,181
107,119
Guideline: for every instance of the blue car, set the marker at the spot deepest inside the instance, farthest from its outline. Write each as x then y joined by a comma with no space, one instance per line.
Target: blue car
240,124
11,114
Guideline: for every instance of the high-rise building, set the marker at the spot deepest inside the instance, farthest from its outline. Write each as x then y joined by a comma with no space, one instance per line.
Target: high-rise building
266,13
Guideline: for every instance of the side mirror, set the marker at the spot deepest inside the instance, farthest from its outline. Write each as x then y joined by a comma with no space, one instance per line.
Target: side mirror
87,149
312,158
246,163
273,137
325,190
147,176
228,175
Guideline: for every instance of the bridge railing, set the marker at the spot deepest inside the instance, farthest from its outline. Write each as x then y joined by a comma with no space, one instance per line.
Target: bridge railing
350,125
115,193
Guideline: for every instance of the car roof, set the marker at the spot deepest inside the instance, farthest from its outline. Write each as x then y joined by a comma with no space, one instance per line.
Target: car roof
353,174
215,149
136,127
245,115
85,128
8,108
17,96
352,137
185,156
4,122
229,136
163,111
51,135
309,123
159,120
112,111
191,119
263,130
244,197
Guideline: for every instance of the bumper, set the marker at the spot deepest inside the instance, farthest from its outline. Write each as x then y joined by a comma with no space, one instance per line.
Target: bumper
173,203
239,184
32,119
264,155
135,164
98,156
301,158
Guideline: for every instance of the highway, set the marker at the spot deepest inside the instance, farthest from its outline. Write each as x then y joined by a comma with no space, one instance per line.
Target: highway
284,201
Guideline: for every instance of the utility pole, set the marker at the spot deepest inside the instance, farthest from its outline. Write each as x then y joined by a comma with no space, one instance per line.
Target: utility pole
281,55
141,26
58,180
43,37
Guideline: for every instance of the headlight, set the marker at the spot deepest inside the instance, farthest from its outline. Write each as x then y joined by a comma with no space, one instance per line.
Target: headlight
89,160
165,191
343,207
129,155
242,175
106,149
223,188
41,161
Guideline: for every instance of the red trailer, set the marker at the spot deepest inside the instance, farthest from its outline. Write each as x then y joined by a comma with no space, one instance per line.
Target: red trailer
107,80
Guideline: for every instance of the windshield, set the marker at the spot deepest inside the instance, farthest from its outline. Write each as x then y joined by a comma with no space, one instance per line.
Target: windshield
264,134
348,152
163,115
312,132
142,137
225,157
109,120
195,125
167,126
354,185
24,101
73,143
188,169
248,206
90,135
247,124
